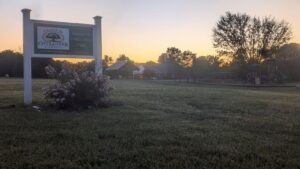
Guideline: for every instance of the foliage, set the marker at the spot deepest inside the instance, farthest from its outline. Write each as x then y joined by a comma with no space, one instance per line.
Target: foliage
107,61
245,38
176,62
123,57
175,56
288,61
249,41
76,89
150,63
187,59
204,65
172,55
187,65
148,74
11,64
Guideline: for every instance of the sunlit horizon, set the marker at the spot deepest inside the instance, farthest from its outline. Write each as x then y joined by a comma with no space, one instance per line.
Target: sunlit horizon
141,29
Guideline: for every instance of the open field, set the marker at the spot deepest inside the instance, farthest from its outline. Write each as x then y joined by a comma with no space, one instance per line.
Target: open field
160,125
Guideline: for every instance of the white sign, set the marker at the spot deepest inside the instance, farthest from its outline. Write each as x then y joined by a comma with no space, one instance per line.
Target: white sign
53,38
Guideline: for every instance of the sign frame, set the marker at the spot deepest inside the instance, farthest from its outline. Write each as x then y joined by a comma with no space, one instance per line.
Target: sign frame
29,48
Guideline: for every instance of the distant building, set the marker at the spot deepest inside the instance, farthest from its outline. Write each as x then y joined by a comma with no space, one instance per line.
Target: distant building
121,69
138,74
166,71
157,71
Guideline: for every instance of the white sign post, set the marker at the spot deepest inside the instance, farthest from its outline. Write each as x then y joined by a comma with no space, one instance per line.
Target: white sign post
49,39
97,33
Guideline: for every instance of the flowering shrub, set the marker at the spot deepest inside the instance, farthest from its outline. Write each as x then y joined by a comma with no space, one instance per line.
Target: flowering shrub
76,89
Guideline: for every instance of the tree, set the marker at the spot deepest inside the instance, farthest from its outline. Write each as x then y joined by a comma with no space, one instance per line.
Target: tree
289,51
107,61
175,56
244,38
123,57
148,74
11,63
204,65
289,61
250,41
172,55
187,58
201,66
171,61
150,63
274,36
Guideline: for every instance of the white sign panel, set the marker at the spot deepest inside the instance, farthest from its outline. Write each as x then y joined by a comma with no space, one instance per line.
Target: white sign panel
53,38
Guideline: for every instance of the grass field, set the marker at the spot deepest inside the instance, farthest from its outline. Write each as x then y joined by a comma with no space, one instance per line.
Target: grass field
160,125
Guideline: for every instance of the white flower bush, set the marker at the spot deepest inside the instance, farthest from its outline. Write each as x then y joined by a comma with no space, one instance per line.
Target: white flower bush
77,89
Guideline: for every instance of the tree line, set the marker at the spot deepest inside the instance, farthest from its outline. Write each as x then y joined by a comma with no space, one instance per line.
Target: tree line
247,47
11,65
187,65
255,45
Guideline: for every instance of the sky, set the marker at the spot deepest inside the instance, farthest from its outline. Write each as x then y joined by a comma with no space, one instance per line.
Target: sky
143,29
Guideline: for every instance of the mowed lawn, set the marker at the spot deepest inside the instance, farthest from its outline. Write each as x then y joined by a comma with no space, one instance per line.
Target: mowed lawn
160,124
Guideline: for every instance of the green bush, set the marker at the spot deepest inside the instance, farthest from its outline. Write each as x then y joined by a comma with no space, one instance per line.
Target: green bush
76,89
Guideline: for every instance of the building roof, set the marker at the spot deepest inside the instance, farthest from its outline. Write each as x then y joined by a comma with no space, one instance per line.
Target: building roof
117,65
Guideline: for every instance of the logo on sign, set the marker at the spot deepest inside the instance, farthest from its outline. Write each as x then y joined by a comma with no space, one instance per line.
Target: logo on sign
52,38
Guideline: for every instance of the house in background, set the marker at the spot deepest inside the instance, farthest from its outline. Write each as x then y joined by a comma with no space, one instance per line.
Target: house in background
156,71
128,70
139,74
121,69
146,71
